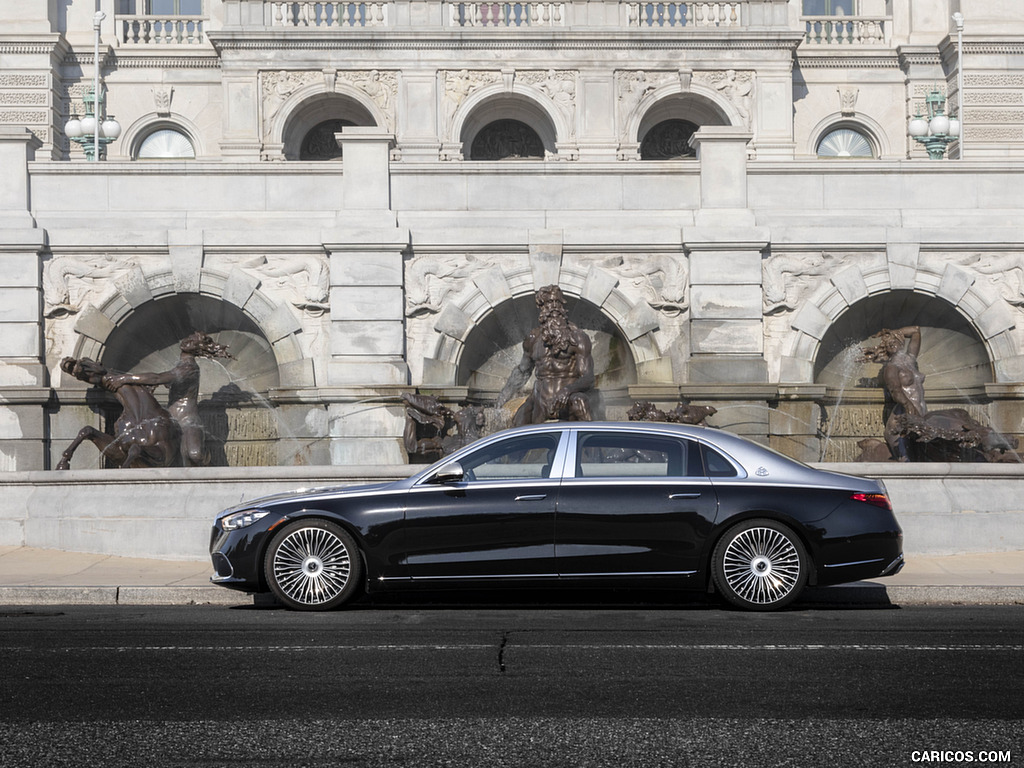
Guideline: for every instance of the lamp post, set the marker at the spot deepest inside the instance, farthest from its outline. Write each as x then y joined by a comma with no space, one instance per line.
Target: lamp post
94,131
939,130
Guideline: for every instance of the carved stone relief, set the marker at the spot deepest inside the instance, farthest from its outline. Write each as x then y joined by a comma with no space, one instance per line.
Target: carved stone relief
660,279
162,95
430,280
787,277
560,86
71,282
633,87
458,85
737,87
1002,272
276,88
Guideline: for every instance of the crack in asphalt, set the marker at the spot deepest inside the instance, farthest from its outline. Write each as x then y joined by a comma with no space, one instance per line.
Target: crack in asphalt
501,651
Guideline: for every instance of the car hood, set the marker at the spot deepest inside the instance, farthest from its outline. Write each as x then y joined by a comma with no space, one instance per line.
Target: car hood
304,493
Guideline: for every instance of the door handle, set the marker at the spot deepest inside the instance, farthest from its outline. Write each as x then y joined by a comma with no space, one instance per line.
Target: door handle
533,497
684,495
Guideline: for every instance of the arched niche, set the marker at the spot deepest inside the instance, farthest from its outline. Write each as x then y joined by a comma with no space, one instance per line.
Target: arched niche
953,355
690,107
148,340
317,110
495,345
508,106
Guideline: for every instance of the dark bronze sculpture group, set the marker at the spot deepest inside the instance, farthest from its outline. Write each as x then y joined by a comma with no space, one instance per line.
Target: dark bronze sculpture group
558,355
912,432
146,434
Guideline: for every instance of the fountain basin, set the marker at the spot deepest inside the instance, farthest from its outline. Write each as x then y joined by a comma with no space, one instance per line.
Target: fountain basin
944,509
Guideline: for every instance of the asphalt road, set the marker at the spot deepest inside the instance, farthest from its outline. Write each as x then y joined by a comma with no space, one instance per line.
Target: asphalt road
564,683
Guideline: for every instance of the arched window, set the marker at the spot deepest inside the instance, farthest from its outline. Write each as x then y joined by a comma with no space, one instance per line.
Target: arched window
507,140
165,144
845,142
669,140
320,144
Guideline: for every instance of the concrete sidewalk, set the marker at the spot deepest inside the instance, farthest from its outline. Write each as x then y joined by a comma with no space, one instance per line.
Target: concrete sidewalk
51,577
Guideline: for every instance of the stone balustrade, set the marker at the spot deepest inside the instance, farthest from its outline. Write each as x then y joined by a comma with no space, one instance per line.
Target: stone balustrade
159,30
330,15
506,14
847,30
686,14
626,14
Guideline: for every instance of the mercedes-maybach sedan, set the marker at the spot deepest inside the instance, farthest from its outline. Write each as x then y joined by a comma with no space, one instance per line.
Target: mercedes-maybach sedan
572,503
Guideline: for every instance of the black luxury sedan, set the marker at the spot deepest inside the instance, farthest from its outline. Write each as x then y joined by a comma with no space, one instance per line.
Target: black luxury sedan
576,503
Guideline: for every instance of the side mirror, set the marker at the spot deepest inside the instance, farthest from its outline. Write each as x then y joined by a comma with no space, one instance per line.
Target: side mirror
451,472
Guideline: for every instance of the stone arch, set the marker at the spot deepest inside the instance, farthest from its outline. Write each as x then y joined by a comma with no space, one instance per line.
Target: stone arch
496,290
862,123
135,133
696,104
984,314
527,104
269,326
313,104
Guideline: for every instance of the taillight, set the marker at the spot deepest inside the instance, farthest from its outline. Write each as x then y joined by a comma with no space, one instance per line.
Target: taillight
877,499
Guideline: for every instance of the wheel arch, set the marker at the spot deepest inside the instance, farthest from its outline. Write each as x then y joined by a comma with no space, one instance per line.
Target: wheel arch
723,526
313,514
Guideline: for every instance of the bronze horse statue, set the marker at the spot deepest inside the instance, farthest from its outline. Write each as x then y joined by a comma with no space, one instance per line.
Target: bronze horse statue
145,434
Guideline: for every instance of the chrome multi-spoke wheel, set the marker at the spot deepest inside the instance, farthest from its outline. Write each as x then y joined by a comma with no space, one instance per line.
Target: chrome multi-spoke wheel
760,565
313,565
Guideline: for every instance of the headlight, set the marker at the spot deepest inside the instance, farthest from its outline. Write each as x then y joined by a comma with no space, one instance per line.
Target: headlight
242,519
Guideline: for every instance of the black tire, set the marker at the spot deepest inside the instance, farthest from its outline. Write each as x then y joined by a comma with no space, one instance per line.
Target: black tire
760,565
313,565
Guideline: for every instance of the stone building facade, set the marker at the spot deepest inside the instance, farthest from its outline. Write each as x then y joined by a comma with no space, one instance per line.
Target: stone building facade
361,199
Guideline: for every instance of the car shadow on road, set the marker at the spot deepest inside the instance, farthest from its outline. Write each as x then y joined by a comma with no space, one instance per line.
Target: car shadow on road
843,598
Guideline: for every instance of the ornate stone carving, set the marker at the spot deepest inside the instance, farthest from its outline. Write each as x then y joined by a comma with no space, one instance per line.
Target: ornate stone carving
430,280
848,101
1004,272
303,278
560,87
662,279
633,87
737,87
277,87
787,276
162,95
457,87
70,282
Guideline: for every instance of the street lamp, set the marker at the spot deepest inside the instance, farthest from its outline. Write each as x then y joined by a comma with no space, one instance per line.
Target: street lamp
94,131
938,130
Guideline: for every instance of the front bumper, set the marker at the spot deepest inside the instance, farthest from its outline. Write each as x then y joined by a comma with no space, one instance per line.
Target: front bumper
238,555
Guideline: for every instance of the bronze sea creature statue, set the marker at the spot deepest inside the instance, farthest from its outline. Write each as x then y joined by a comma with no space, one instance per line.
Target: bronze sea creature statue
645,410
141,439
429,426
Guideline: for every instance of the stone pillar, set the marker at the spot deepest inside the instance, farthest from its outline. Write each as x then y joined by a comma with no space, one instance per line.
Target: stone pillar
367,368
722,153
22,372
243,138
726,334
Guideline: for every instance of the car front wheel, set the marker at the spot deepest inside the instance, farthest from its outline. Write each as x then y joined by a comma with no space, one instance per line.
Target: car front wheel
313,565
759,565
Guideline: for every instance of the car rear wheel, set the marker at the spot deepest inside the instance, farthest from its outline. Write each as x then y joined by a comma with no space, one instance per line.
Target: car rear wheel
313,565
759,565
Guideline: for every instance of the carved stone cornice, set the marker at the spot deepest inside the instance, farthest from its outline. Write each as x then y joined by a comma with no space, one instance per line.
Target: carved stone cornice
830,60
555,40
